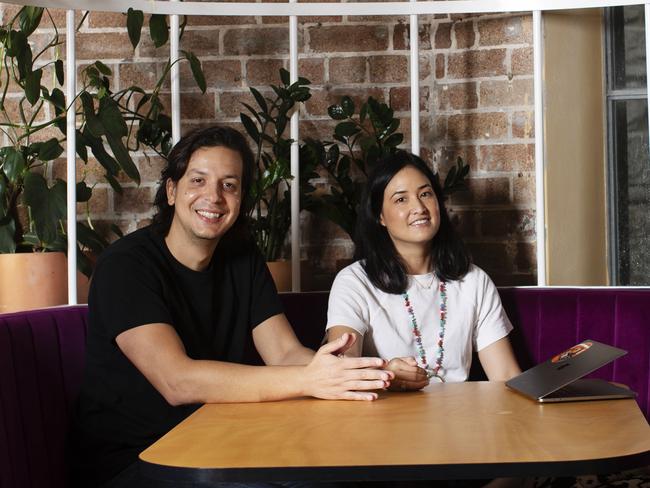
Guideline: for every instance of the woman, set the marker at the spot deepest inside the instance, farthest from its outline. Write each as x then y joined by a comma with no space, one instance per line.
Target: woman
414,297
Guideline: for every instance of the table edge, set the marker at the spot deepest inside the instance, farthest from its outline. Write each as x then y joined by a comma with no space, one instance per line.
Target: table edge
397,472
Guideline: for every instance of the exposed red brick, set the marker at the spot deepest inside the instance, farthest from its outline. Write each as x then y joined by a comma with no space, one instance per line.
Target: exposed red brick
402,39
440,66
134,200
200,42
472,64
97,204
449,155
347,70
506,93
493,257
313,69
526,257
484,191
491,125
197,106
464,221
521,61
400,98
144,75
505,30
523,124
442,38
455,96
91,173
263,71
348,38
511,224
230,103
216,20
464,34
103,46
388,69
523,185
507,157
322,99
111,19
267,40
220,73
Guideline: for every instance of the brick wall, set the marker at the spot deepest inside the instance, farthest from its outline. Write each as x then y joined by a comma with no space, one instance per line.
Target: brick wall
476,101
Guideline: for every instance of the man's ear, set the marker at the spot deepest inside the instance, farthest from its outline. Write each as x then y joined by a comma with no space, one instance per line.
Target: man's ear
170,187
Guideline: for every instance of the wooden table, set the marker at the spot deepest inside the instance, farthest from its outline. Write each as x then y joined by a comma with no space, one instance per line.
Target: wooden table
449,431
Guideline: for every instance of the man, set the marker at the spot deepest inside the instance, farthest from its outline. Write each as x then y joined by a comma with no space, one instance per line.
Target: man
172,308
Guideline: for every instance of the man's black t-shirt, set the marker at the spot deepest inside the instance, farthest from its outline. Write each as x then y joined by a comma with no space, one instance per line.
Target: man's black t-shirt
137,281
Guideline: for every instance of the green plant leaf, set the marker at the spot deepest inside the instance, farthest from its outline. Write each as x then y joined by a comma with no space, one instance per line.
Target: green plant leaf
49,150
346,129
111,118
29,19
394,140
197,71
93,123
33,86
60,73
123,157
336,112
115,185
90,239
348,106
83,192
48,205
97,148
7,243
285,76
80,146
253,112
250,127
16,42
103,69
13,163
261,101
158,29
134,23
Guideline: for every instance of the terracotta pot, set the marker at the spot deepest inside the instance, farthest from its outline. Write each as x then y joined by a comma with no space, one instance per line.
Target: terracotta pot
281,273
36,280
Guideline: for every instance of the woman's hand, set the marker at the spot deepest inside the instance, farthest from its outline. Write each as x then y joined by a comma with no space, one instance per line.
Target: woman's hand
408,375
333,377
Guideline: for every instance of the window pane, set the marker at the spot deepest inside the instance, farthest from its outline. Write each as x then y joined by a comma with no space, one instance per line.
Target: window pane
628,47
633,189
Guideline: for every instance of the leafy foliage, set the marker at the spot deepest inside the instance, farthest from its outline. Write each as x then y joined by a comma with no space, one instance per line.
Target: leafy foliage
111,125
270,202
360,141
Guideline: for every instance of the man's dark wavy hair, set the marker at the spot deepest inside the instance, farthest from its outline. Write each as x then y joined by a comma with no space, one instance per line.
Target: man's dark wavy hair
179,158
380,259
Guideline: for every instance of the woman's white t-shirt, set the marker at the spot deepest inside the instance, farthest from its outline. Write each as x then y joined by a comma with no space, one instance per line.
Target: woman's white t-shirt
475,317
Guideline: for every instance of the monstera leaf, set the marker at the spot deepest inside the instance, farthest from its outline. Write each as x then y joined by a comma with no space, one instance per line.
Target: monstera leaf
47,205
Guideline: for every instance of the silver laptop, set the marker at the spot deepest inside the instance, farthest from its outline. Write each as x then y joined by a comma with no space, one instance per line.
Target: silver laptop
559,378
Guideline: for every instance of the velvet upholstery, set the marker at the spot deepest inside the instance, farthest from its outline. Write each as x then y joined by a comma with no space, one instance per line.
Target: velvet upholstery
41,364
42,357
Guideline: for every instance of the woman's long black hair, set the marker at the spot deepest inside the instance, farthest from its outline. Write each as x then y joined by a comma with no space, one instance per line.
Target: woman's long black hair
380,259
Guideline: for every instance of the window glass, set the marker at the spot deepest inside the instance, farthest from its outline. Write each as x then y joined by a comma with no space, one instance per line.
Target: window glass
628,47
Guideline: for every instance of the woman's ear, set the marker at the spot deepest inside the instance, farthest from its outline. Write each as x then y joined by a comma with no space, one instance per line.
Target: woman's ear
170,187
381,220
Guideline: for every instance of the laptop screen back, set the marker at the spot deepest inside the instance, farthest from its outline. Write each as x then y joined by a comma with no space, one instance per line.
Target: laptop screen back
563,368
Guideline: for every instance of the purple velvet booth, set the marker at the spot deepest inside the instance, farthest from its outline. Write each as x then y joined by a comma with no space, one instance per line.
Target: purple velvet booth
42,356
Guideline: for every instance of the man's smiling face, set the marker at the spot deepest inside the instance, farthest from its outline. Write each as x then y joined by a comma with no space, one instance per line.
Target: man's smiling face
207,198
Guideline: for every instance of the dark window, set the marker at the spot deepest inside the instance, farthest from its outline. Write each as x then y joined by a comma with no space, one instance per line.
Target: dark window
629,162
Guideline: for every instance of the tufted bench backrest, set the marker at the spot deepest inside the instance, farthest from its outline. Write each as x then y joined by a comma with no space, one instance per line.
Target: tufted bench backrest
41,365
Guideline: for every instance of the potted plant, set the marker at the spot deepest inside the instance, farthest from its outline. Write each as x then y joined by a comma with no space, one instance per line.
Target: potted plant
360,140
33,209
269,205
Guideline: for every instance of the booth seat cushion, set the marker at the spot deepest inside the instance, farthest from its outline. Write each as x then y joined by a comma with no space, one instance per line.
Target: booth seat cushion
41,365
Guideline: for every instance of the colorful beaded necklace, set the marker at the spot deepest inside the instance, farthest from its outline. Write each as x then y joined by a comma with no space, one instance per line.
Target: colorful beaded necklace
435,370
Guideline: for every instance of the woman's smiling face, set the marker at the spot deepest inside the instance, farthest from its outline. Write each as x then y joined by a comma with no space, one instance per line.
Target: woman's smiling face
410,210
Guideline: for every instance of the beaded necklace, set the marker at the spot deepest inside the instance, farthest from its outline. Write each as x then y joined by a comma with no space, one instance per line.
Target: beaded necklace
435,370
